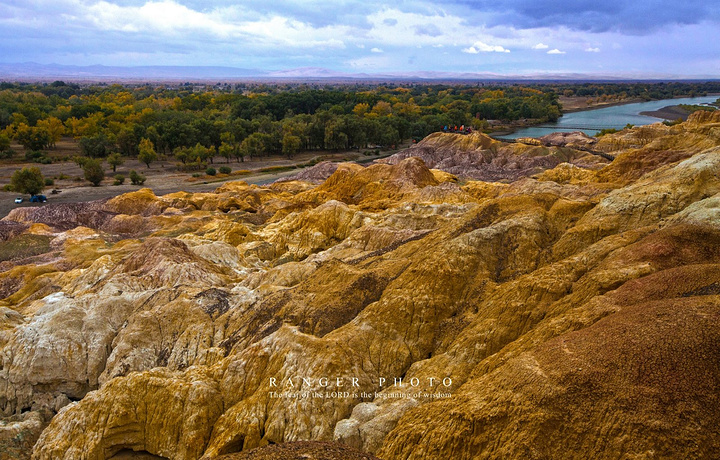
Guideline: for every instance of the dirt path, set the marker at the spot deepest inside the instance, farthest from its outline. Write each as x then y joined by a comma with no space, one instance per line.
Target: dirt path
89,193
162,177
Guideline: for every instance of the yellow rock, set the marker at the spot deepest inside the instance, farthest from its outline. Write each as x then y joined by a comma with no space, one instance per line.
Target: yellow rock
570,312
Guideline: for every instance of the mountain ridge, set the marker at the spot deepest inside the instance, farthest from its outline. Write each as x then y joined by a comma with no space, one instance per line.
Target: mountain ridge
36,71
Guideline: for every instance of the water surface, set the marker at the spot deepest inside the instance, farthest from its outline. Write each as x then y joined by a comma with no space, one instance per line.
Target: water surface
592,121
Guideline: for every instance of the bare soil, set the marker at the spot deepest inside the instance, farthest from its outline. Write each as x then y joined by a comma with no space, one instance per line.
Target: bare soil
298,450
163,176
580,103
670,112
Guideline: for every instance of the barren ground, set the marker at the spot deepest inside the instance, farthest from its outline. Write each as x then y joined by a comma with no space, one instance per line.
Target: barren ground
162,177
580,103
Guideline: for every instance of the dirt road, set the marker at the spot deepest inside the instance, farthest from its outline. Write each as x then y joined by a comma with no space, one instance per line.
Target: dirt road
159,187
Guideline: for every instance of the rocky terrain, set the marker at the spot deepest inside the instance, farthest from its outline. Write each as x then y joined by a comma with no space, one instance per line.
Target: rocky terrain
537,301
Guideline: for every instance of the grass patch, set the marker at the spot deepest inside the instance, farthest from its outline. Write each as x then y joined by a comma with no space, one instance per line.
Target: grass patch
23,246
278,168
694,108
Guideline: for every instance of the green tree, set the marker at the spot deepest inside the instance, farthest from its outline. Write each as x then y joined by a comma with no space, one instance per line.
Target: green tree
93,171
54,127
28,180
147,152
80,161
115,160
335,139
253,145
4,142
32,138
183,154
290,145
127,141
202,153
94,146
227,151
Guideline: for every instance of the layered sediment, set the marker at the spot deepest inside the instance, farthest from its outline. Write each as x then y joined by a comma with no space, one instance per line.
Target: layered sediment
534,301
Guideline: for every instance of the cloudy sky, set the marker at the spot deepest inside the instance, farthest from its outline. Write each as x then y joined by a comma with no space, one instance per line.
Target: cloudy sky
511,37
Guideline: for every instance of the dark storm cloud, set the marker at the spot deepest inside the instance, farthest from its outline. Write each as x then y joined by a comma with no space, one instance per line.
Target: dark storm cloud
626,16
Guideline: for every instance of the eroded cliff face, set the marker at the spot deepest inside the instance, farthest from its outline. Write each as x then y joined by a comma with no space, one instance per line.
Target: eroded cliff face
570,310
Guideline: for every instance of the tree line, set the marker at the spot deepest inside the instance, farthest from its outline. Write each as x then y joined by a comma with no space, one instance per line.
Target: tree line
196,124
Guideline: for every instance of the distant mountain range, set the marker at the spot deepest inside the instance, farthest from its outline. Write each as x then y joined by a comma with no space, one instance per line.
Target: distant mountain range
46,72
31,70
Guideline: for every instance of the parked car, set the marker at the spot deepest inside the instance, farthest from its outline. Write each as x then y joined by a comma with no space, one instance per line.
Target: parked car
19,199
38,199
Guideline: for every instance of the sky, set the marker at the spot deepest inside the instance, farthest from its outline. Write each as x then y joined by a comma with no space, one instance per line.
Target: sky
625,38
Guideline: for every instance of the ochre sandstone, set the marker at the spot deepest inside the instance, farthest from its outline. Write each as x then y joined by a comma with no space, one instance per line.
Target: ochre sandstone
544,302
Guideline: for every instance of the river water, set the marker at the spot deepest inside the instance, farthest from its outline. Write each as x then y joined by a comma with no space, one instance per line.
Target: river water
591,121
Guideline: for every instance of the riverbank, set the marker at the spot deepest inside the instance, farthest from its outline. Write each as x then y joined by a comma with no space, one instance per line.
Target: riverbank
572,106
611,116
575,107
670,112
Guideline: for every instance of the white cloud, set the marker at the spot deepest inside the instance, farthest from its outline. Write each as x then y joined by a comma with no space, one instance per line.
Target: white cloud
480,47
289,32
540,46
592,50
171,19
431,27
555,51
376,50
164,16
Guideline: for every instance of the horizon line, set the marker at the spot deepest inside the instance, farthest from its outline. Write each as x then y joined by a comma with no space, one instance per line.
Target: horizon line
33,71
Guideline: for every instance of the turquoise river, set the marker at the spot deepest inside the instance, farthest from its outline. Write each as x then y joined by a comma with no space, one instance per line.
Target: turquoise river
591,121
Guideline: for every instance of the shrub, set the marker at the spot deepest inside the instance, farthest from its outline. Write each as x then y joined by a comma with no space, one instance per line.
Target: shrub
49,182
192,166
93,171
119,179
210,171
196,174
605,131
225,170
37,156
136,179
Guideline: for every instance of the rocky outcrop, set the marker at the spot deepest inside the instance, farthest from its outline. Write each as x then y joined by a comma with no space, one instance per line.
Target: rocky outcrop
398,310
315,174
575,139
477,156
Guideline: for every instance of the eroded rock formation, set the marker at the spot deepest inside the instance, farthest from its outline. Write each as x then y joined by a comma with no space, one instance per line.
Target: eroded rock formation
560,307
